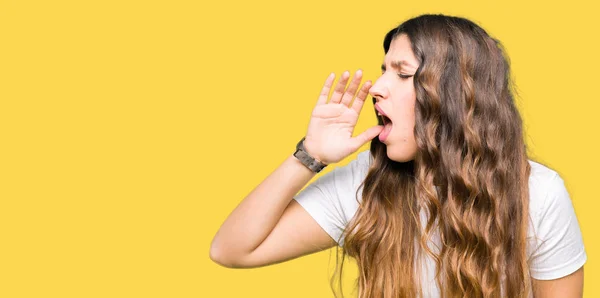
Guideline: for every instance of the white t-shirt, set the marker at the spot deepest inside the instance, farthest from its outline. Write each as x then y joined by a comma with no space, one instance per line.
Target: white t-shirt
558,250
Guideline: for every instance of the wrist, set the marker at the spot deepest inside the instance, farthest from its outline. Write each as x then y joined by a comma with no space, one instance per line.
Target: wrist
310,150
310,161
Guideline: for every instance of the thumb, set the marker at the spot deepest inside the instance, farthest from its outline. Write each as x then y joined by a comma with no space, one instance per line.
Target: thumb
366,136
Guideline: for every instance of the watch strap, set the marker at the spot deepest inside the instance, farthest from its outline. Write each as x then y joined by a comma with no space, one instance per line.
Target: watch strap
310,162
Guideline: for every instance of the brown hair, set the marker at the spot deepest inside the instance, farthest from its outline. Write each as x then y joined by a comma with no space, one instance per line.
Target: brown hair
469,176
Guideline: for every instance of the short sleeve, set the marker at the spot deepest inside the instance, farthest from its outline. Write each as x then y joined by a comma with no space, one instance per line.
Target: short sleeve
559,247
331,199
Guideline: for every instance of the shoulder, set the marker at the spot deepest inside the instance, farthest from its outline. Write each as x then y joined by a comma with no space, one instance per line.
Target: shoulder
347,180
352,174
332,199
363,160
546,187
349,177
555,243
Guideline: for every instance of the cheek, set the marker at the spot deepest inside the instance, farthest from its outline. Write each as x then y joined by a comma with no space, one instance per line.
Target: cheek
406,118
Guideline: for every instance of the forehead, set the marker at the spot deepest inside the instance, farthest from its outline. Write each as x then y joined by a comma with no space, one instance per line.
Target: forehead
400,50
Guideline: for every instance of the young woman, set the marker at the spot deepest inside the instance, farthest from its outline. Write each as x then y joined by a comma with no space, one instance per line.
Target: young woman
445,203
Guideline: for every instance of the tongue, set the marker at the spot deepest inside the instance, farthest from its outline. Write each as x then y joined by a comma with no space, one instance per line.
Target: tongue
385,132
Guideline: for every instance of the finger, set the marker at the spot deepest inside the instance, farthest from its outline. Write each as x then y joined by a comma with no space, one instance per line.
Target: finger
366,136
351,91
325,91
359,101
339,89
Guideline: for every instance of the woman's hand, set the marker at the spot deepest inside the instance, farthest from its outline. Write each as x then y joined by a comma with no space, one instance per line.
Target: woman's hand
329,136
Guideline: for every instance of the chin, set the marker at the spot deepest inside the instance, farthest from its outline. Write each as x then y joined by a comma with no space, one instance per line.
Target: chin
399,155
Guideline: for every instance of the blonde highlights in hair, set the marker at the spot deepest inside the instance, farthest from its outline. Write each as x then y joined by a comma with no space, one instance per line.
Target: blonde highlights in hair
469,176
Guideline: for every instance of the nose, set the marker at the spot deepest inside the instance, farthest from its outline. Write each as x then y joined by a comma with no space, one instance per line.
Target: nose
379,91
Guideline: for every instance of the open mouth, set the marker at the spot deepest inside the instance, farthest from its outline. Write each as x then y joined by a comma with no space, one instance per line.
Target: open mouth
383,119
381,116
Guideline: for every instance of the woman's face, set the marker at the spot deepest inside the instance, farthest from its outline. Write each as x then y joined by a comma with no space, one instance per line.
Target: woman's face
395,97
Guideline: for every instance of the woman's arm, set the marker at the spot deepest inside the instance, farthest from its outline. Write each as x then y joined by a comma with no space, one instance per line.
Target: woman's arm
268,226
570,286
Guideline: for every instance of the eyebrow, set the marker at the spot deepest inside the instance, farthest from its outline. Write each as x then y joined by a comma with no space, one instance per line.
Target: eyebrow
397,64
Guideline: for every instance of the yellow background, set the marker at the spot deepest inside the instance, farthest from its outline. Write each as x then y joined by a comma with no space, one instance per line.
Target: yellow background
130,129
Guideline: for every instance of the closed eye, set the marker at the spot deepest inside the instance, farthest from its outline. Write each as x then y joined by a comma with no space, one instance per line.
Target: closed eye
399,75
402,76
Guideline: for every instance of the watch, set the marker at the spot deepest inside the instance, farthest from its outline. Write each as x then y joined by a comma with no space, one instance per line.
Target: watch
310,162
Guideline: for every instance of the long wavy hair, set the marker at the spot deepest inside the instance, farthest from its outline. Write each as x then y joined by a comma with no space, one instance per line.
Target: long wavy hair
469,176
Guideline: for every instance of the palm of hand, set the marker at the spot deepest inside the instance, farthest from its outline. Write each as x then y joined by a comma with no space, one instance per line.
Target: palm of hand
329,136
333,125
